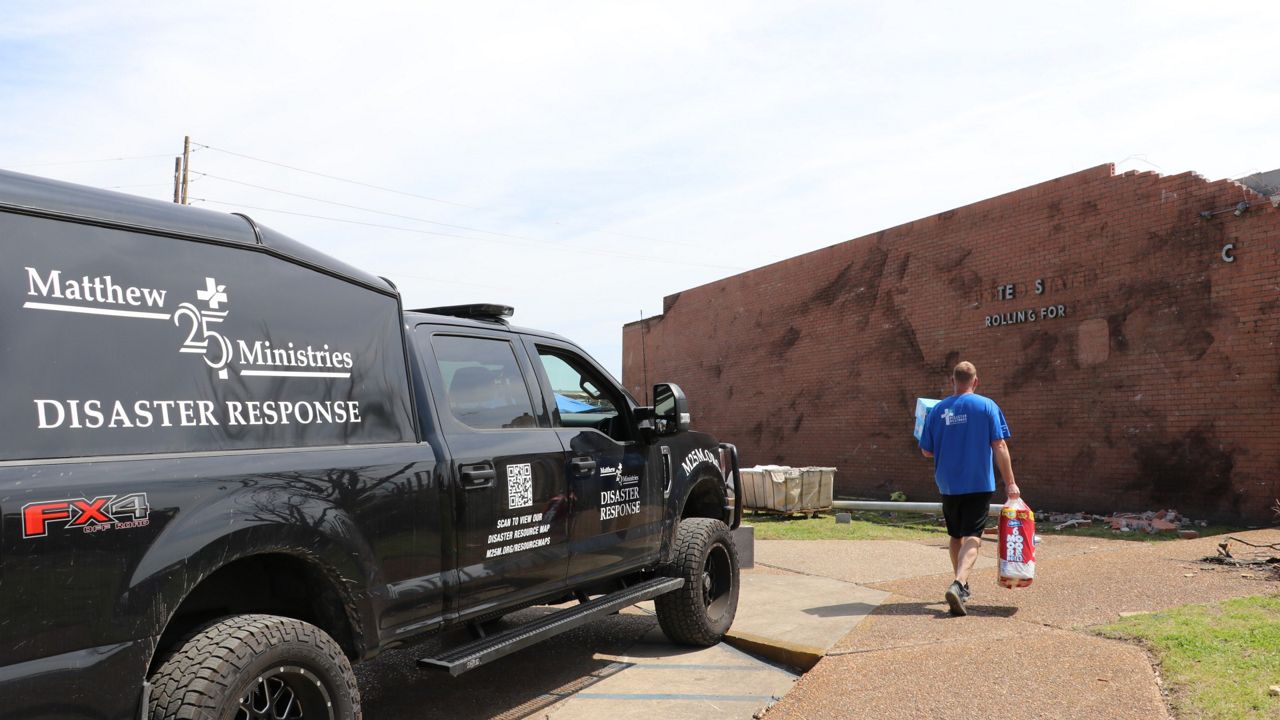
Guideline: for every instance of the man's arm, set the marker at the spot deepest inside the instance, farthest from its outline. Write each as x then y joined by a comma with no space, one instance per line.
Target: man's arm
926,453
1000,449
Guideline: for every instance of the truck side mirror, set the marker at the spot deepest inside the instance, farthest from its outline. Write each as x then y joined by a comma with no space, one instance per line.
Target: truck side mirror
670,409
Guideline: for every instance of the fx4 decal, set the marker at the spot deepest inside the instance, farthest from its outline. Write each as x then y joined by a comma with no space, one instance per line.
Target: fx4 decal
118,512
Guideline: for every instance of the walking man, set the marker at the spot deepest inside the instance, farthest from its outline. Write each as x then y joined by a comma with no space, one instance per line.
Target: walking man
964,434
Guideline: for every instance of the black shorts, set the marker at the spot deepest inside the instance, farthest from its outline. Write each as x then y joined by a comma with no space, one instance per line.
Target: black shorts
966,514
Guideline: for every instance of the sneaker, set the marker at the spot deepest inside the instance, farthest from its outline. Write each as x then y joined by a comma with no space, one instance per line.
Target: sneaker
965,594
956,596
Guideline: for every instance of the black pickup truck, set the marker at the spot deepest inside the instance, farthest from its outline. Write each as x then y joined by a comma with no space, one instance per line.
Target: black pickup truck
231,466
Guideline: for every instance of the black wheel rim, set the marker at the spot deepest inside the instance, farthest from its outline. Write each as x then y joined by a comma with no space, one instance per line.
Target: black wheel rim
286,692
717,582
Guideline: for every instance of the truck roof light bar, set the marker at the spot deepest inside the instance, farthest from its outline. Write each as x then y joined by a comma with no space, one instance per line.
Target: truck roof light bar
478,311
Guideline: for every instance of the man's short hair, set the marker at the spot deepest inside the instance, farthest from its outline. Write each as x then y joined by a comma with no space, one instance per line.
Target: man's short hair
965,372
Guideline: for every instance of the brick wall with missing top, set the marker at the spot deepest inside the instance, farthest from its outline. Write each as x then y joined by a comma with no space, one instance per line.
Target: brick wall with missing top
1158,387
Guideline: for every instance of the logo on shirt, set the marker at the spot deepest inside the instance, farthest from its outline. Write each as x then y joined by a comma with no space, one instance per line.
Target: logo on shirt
950,418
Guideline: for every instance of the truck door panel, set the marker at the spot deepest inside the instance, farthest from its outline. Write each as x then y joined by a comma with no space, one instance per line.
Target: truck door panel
617,516
510,491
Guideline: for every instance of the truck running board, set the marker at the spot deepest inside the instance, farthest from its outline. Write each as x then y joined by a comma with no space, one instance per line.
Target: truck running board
474,654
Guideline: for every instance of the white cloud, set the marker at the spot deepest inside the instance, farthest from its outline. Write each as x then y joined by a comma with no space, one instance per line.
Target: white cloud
705,134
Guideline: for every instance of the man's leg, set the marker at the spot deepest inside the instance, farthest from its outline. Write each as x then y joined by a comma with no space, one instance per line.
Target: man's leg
966,516
951,512
964,554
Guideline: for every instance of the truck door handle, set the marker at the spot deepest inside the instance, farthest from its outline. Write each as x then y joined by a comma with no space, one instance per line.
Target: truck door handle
582,466
477,476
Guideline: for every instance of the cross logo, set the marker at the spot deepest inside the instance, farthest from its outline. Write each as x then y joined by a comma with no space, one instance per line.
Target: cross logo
213,293
201,335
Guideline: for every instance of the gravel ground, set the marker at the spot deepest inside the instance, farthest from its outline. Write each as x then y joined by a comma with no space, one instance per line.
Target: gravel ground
1020,653
1078,590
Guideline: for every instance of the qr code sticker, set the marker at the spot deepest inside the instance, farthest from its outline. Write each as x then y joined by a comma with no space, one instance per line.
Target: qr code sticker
519,486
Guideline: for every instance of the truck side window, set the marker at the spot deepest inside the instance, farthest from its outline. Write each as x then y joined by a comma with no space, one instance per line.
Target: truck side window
583,399
483,382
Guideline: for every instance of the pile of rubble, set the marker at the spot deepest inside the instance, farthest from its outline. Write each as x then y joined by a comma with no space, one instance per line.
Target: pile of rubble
1152,521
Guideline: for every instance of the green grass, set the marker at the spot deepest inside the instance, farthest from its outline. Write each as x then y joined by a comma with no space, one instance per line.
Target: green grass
914,526
865,526
1218,660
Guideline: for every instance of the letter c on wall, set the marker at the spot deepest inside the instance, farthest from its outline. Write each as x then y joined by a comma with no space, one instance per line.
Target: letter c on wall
1226,252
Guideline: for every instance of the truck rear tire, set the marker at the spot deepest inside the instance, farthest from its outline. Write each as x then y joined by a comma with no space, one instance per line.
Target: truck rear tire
701,612
256,667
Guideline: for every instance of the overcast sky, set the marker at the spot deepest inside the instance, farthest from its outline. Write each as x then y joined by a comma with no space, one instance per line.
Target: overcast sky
582,160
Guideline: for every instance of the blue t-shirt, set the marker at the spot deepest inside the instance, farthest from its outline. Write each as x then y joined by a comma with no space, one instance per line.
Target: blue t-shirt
959,432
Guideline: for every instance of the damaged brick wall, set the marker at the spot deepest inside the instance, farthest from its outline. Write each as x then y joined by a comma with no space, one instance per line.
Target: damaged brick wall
1137,368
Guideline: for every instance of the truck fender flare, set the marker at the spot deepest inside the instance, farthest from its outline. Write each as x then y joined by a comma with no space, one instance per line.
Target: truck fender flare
170,572
703,479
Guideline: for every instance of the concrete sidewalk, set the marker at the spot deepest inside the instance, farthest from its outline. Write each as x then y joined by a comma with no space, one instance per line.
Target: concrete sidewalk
789,618
1020,653
795,619
655,679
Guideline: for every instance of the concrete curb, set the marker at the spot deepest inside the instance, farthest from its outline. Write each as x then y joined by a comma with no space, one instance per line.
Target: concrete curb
794,655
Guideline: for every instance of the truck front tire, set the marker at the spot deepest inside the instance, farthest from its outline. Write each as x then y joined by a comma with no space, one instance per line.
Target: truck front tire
256,667
701,612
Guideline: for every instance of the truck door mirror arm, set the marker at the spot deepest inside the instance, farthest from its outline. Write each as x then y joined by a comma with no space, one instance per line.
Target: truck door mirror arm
646,425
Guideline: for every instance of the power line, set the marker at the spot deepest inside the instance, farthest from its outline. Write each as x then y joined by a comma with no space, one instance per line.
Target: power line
98,160
395,274
365,209
428,198
417,231
335,219
349,206
335,177
142,185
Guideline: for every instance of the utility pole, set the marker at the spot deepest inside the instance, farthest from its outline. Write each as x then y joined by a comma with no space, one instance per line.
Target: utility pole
186,167
177,179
